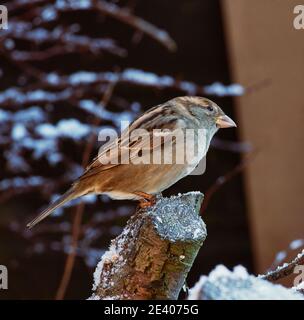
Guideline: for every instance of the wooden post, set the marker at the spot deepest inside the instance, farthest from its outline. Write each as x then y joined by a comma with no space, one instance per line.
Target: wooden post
151,258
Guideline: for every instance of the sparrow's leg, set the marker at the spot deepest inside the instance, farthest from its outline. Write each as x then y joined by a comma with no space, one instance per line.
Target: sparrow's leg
146,200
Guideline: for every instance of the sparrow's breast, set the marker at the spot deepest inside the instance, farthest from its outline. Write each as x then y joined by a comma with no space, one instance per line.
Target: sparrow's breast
154,177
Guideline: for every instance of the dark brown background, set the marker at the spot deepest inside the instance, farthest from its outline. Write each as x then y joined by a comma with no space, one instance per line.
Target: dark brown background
208,51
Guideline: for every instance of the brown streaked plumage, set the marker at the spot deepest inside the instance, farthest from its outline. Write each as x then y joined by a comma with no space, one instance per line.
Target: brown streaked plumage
142,181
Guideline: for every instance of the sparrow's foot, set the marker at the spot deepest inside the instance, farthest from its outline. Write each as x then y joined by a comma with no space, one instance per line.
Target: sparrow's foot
146,200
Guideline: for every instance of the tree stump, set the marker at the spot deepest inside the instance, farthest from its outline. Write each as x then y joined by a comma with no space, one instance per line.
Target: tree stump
151,258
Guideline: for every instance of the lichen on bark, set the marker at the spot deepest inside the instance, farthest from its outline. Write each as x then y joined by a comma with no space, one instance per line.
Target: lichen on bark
151,258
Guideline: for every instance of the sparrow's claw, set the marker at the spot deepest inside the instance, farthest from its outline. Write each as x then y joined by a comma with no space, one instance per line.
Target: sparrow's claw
145,204
146,200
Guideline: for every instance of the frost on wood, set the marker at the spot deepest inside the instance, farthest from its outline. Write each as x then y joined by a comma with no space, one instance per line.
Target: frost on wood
223,284
151,258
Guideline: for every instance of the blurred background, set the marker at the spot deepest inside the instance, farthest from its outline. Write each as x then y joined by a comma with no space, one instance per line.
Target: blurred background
71,68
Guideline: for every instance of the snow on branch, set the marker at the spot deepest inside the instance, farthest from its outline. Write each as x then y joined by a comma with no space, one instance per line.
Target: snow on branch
70,86
223,284
284,270
121,14
59,40
50,11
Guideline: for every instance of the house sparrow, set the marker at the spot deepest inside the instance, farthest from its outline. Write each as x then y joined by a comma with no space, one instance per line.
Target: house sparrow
138,178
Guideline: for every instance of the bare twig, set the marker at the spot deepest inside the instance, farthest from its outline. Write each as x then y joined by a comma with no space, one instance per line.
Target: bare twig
282,255
285,270
70,261
220,181
14,5
124,15
109,9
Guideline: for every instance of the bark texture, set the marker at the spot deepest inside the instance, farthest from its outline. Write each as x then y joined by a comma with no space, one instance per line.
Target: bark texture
151,258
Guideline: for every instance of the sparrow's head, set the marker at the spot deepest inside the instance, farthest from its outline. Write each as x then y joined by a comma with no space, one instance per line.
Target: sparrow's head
206,111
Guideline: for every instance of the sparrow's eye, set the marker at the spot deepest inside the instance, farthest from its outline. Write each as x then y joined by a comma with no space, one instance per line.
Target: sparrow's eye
210,108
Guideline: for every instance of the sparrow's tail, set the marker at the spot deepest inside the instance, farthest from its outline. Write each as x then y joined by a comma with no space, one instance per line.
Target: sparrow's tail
71,194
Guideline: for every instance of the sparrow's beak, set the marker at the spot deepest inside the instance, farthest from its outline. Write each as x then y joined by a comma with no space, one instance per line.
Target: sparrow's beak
224,122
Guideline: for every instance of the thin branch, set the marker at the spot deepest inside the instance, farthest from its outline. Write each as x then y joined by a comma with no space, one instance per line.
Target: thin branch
17,4
124,15
70,261
285,270
23,66
280,256
222,180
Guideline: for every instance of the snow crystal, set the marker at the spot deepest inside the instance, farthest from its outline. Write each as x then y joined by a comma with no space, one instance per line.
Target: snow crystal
37,95
38,34
60,4
185,224
80,4
94,297
82,77
55,158
11,93
18,182
73,128
92,256
34,114
9,44
49,13
89,198
197,233
75,171
18,131
106,257
70,128
41,147
140,76
280,256
47,130
4,115
300,254
92,107
97,110
135,106
223,284
188,87
220,90
146,78
300,286
53,78
113,255
296,244
15,162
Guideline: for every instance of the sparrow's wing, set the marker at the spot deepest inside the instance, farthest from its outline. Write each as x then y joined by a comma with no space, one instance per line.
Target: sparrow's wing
138,138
